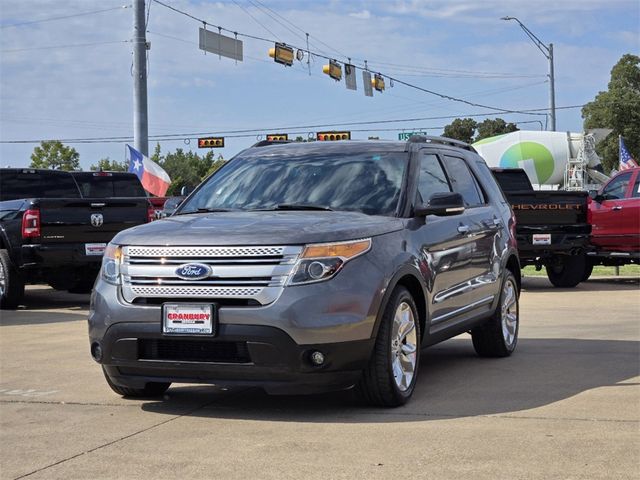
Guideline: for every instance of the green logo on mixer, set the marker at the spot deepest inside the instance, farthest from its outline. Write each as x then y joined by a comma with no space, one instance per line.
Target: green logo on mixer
539,154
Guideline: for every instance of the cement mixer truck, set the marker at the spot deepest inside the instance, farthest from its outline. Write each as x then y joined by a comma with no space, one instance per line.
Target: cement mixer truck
563,160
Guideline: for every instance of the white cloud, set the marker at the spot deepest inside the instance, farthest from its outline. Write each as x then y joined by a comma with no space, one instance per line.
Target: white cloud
363,15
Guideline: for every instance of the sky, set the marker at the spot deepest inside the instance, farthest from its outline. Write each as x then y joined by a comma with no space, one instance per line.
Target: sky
70,78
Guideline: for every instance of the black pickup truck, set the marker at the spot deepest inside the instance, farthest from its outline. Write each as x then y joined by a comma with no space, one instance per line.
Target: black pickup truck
551,227
51,233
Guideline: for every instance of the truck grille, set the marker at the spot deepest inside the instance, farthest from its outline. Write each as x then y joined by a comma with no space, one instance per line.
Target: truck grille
238,273
193,351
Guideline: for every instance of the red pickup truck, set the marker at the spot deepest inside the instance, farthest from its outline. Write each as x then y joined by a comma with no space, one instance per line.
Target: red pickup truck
614,213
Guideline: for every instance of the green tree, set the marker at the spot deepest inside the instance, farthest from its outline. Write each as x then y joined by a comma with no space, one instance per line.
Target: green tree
108,165
492,127
54,155
618,108
184,168
461,129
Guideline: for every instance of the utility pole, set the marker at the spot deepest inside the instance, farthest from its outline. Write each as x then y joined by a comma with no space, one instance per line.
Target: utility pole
547,51
140,118
552,89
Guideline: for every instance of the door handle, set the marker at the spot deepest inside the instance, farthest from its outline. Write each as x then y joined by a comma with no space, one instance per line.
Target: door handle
617,207
464,229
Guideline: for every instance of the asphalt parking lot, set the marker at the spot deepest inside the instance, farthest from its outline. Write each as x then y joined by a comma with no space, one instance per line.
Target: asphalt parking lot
566,405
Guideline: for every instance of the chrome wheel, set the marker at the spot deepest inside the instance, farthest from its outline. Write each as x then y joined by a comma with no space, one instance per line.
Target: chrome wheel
404,351
509,313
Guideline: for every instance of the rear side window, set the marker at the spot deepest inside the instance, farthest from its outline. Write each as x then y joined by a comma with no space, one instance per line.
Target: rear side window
105,186
636,188
463,181
36,184
431,178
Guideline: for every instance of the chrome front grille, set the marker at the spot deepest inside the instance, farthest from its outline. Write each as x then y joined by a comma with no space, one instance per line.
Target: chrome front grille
251,273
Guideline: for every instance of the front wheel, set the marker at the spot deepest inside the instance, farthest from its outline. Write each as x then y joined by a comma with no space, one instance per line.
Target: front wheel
390,378
499,336
151,389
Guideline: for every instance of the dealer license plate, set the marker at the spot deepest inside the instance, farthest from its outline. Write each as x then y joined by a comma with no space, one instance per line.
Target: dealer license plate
188,319
94,248
542,239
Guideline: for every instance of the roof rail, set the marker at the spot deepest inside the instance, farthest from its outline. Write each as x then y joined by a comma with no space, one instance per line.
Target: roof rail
440,140
264,143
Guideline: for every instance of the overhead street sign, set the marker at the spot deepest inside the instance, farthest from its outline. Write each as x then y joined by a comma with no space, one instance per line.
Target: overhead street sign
408,135
215,43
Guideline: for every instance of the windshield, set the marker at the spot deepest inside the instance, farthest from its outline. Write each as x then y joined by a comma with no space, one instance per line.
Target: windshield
365,182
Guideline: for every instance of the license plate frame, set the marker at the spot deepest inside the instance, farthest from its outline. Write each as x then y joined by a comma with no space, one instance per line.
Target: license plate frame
199,327
541,239
94,249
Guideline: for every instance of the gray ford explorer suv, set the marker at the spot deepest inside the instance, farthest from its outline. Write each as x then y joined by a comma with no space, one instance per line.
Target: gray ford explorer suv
307,267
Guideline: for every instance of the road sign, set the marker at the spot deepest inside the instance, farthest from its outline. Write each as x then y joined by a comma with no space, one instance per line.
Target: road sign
220,44
408,135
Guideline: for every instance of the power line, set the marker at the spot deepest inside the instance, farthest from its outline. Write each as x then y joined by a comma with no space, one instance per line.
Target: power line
401,82
21,24
254,18
253,131
256,134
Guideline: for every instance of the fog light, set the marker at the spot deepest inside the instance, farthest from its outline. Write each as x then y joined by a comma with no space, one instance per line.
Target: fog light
317,358
96,351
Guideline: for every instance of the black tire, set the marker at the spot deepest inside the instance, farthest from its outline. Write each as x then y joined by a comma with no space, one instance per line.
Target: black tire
588,269
11,283
499,336
151,389
378,385
566,271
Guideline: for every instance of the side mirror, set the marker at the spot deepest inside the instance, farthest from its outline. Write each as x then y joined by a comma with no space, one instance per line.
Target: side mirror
186,190
441,204
596,197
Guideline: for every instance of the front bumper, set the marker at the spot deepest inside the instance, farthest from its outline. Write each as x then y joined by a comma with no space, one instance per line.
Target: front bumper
267,346
240,355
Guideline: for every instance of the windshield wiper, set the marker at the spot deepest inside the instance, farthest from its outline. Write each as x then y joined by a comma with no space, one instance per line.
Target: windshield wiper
299,206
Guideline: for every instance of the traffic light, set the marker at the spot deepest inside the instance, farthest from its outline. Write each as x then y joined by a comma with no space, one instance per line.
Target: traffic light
334,70
377,82
282,53
332,136
211,142
277,137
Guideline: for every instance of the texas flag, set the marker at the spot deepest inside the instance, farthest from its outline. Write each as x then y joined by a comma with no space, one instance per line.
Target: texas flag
153,178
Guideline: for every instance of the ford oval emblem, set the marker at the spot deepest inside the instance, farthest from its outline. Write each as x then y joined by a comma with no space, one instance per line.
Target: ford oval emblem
193,271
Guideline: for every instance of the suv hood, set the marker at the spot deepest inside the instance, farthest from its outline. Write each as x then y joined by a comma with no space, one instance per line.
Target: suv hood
258,228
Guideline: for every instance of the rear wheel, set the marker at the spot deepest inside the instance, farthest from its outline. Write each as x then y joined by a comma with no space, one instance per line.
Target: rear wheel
566,271
151,389
11,283
499,336
390,378
588,269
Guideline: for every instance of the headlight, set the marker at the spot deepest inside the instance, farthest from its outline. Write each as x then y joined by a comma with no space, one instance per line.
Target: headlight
111,260
323,261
